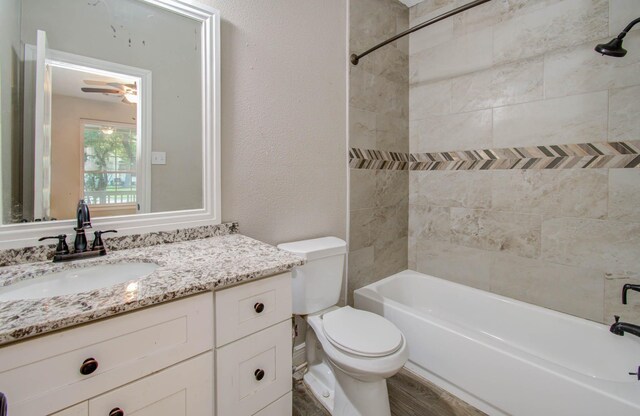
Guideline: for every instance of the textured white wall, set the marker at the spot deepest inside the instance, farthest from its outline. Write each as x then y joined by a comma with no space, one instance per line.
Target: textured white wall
284,75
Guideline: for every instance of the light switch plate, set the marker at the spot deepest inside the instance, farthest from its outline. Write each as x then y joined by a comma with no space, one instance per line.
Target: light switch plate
158,158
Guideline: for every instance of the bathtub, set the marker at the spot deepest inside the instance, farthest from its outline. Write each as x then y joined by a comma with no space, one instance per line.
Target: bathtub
507,357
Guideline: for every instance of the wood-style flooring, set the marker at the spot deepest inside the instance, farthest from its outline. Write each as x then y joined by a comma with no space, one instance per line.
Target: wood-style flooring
408,396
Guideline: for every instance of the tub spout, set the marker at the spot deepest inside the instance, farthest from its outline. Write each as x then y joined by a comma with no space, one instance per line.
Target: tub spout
619,328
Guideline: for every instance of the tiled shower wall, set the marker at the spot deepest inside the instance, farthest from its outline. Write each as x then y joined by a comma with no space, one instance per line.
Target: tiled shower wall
514,73
379,119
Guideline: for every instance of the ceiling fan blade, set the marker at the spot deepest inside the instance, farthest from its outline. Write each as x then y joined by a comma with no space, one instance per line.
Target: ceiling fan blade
101,90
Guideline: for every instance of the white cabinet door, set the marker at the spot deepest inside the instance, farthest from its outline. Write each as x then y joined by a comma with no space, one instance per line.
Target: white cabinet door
81,409
281,407
186,389
254,371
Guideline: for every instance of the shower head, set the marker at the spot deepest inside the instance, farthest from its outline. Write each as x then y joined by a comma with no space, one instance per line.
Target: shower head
614,46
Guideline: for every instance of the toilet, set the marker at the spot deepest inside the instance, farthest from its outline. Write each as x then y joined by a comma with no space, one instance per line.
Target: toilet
350,353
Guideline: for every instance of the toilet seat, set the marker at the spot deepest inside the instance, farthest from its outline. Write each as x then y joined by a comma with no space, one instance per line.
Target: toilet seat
361,333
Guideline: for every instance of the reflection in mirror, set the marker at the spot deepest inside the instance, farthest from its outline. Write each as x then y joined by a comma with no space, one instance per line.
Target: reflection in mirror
88,91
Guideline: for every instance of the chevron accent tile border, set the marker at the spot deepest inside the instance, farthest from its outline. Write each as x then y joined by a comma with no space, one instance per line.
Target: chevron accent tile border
566,156
378,159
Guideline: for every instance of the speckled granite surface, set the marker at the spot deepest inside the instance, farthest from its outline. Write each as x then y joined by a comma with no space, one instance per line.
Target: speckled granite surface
119,242
186,268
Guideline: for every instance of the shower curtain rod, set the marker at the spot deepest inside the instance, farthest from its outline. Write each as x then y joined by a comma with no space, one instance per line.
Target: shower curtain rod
355,58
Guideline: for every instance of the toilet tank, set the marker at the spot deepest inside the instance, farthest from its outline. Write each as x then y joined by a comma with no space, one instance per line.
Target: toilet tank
316,285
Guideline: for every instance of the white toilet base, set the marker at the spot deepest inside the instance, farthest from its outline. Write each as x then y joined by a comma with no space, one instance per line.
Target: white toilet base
320,381
354,397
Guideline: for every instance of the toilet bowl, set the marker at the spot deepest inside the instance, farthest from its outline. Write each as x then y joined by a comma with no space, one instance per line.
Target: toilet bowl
350,353
348,365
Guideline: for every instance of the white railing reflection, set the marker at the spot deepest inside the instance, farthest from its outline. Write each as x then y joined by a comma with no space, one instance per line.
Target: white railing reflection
110,197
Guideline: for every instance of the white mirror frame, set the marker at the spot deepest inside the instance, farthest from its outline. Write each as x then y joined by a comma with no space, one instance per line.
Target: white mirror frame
27,234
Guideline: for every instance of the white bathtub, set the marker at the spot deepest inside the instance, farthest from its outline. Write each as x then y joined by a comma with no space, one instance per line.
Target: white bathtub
505,356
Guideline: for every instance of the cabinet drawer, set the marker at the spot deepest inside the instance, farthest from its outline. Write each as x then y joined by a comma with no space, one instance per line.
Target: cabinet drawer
81,409
186,389
241,389
281,407
249,308
42,376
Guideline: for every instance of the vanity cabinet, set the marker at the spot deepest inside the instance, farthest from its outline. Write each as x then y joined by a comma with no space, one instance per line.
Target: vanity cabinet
254,348
181,390
226,353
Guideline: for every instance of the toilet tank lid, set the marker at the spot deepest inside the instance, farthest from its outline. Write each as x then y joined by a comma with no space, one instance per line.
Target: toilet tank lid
316,248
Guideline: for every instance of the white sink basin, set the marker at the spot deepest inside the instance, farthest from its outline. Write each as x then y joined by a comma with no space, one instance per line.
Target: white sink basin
78,280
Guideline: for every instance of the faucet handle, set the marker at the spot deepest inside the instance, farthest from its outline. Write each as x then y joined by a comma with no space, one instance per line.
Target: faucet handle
627,287
616,317
98,244
62,247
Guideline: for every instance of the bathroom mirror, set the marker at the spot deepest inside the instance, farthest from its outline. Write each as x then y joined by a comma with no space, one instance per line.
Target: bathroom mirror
110,101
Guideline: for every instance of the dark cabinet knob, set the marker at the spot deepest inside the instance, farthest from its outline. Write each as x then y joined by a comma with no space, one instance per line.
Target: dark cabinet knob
88,366
116,412
258,307
259,373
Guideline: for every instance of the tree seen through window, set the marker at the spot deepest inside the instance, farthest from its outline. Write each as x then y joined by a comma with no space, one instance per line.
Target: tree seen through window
109,165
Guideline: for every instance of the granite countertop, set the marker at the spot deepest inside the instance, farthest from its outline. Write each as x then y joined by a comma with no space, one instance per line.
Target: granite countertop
186,268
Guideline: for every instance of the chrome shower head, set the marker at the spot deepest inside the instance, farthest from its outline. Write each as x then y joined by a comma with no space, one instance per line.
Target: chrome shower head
614,46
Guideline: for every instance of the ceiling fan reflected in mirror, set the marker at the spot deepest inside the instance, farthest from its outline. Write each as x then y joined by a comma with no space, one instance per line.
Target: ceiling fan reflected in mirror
128,92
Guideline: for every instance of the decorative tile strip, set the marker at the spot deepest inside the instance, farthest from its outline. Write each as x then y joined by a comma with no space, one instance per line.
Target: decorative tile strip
567,156
378,159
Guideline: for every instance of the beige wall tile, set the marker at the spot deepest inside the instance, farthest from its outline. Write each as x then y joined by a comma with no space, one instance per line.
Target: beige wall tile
391,63
429,9
572,119
379,119
513,83
392,133
493,12
458,56
429,223
362,191
579,69
390,224
465,265
553,193
392,188
370,20
360,270
497,231
467,189
464,131
360,225
363,89
624,108
362,128
565,23
429,99
624,195
621,13
573,290
412,253
390,259
430,36
611,246
613,301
